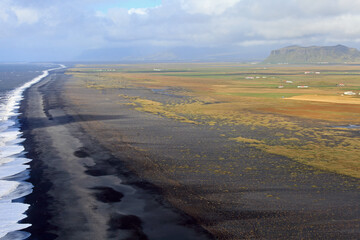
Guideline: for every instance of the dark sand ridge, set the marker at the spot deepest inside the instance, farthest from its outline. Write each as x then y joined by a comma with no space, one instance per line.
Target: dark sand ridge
233,190
81,190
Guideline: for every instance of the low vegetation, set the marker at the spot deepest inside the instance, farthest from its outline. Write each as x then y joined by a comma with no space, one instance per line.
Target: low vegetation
308,124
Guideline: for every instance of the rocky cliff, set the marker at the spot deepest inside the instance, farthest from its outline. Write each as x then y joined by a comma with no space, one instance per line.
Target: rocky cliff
314,54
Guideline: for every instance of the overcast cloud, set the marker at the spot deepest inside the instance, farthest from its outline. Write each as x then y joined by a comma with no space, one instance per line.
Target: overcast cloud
62,30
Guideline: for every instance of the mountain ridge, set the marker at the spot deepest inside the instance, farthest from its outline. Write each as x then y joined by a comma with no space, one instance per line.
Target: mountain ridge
313,54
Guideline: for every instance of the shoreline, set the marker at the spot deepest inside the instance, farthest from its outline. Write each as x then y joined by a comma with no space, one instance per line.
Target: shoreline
38,212
138,151
79,187
14,167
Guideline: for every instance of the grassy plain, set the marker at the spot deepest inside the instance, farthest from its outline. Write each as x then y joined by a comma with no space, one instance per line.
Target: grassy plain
308,125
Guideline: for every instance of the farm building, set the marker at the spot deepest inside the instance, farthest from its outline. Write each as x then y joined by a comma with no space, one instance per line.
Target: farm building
349,93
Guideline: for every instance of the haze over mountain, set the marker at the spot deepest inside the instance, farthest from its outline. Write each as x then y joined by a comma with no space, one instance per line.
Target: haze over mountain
171,54
227,30
314,54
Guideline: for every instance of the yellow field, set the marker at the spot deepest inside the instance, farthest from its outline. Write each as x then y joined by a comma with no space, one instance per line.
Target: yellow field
300,120
327,99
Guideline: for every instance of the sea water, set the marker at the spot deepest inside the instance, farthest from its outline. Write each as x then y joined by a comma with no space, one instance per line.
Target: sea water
14,80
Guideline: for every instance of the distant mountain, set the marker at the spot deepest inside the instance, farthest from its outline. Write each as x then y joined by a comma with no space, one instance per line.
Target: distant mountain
173,54
314,54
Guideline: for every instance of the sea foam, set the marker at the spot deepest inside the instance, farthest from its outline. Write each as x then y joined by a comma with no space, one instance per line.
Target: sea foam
13,168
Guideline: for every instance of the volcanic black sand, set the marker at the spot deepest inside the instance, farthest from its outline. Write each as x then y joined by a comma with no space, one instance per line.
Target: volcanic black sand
103,170
81,190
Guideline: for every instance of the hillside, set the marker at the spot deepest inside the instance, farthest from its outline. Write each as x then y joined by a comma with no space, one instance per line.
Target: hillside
314,54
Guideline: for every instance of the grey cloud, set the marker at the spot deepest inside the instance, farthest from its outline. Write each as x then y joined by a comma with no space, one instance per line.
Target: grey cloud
69,27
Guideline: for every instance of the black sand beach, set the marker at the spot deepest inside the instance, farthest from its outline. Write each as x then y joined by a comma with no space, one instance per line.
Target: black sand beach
103,170
81,190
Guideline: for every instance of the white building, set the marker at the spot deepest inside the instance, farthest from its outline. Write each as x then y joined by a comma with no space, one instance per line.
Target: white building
349,93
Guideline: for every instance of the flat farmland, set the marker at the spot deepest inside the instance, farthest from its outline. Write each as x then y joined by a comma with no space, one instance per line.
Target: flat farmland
301,112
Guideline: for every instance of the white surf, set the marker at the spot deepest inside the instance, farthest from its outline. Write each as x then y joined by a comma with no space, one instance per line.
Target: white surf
13,168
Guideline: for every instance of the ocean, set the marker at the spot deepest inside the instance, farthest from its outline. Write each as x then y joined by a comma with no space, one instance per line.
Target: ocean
14,80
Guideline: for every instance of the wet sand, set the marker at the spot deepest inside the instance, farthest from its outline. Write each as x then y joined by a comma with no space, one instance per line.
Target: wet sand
103,170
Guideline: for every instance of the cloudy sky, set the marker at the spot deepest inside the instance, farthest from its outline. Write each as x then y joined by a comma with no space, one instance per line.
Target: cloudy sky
43,30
